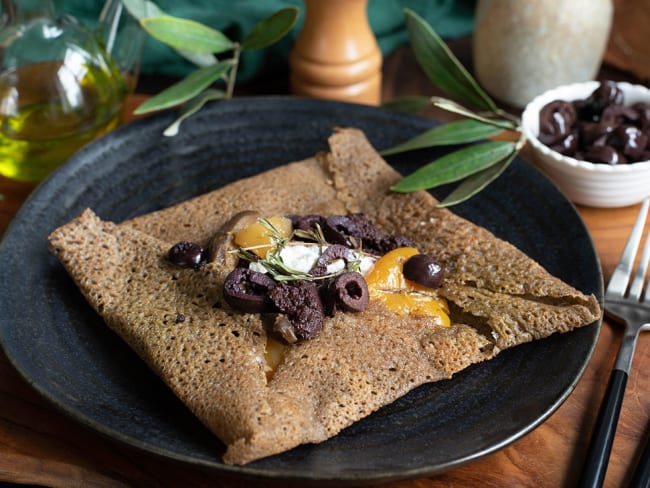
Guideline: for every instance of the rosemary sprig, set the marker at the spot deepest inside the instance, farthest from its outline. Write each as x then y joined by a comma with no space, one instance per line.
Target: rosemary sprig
274,264
277,239
279,270
315,235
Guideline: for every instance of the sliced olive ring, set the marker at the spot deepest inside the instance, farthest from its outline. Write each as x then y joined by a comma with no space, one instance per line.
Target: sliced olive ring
247,290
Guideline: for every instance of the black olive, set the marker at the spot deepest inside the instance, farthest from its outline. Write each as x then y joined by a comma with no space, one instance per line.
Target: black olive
629,140
247,290
592,131
331,254
568,145
338,229
186,254
556,120
606,94
615,115
643,110
604,154
306,222
424,270
350,291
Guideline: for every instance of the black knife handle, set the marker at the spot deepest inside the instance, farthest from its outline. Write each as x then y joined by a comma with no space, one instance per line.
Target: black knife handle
595,466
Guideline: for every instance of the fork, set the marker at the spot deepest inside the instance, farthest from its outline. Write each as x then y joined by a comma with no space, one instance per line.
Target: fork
632,308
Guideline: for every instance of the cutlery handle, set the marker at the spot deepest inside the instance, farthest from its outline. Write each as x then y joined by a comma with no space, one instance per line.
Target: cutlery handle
593,471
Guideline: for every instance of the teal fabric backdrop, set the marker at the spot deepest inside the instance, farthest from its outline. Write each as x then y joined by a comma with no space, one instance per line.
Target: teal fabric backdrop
450,18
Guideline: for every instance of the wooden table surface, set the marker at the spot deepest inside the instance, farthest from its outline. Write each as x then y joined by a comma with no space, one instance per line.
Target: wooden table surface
40,446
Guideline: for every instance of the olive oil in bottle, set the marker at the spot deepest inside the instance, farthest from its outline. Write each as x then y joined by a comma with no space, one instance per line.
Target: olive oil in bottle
61,84
49,110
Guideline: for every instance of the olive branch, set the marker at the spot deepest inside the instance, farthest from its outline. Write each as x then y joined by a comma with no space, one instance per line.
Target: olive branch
474,166
199,44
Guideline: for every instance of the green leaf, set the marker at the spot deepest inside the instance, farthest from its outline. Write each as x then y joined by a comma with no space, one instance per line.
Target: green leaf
475,183
186,35
409,105
271,29
451,106
459,132
455,166
441,66
185,89
141,9
191,107
201,60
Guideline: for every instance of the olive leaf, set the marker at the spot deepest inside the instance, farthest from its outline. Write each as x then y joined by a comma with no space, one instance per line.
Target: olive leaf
458,132
271,29
455,166
186,34
192,106
441,66
505,121
475,183
141,9
185,89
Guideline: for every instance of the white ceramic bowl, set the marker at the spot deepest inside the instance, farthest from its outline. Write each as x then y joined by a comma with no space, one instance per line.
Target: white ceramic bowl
585,183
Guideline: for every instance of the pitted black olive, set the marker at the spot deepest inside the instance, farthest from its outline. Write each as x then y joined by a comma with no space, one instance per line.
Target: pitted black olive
350,292
604,154
424,270
629,140
568,145
247,290
590,131
337,229
643,109
615,115
606,94
331,254
300,302
186,254
556,120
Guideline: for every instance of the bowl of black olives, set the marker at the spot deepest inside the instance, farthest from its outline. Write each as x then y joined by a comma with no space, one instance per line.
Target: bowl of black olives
593,140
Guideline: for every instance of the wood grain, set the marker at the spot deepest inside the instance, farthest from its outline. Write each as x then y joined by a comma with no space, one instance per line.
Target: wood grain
39,445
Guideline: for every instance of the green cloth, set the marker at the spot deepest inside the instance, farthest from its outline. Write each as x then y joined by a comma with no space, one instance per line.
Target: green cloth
235,18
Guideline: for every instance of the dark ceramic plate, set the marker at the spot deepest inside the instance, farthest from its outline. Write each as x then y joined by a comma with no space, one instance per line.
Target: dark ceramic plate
63,349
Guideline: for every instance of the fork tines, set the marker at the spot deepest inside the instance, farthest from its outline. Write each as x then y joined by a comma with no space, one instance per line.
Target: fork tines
618,284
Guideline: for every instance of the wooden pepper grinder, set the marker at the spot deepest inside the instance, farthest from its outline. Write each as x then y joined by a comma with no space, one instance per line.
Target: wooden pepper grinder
336,55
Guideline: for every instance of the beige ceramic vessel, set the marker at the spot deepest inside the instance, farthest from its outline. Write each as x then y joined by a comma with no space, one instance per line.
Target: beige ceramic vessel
522,49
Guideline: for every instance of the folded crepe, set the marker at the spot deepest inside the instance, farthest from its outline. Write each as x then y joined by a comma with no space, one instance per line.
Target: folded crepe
213,357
